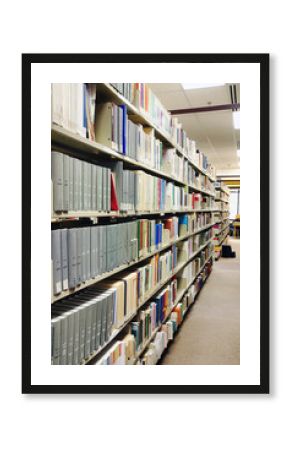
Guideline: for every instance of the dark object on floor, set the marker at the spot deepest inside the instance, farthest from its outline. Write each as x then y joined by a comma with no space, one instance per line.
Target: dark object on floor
227,252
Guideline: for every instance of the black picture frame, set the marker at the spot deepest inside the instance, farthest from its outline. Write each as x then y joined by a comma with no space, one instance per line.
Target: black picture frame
263,61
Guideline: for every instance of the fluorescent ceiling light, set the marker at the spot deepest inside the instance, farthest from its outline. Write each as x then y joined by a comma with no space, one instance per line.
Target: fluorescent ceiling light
238,153
236,116
200,85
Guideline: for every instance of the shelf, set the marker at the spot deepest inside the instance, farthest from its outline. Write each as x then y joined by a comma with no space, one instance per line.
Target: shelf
221,200
123,267
146,120
178,299
71,140
147,297
222,230
76,215
221,240
68,137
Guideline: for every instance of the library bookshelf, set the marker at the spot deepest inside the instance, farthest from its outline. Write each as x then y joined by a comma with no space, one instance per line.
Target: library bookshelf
68,142
222,219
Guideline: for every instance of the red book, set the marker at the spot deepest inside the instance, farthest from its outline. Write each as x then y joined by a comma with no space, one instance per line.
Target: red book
114,198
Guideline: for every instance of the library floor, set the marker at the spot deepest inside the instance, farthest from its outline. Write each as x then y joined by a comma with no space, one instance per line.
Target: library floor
210,333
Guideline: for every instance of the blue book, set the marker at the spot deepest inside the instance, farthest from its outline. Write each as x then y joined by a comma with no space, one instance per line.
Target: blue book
84,108
156,234
159,233
124,129
183,220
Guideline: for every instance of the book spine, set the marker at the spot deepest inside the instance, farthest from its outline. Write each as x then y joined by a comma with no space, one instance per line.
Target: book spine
72,258
93,187
66,182
57,180
71,184
64,259
56,261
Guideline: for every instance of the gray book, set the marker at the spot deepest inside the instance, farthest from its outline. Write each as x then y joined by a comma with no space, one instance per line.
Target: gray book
99,188
76,184
99,303
57,180
80,331
56,261
76,331
83,254
66,182
88,252
94,324
110,312
82,181
63,339
89,187
109,247
64,259
84,185
79,254
72,258
76,343
115,246
108,295
88,330
68,314
104,188
109,190
81,298
104,243
71,184
98,250
104,321
93,187
93,252
55,340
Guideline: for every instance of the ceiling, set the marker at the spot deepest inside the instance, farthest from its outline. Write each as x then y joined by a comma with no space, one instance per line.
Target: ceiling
213,131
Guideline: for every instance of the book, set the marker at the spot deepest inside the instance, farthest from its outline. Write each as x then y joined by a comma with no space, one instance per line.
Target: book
57,173
56,257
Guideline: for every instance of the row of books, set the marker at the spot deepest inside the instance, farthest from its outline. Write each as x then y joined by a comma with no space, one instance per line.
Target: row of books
79,185
221,186
152,318
82,253
153,315
82,323
166,334
115,130
146,101
77,107
149,320
203,202
168,330
219,227
68,107
104,307
143,98
188,273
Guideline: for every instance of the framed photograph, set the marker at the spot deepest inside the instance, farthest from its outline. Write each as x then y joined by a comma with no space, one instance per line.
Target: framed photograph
132,196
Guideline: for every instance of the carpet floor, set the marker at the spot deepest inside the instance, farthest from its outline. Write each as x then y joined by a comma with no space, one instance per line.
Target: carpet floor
210,333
